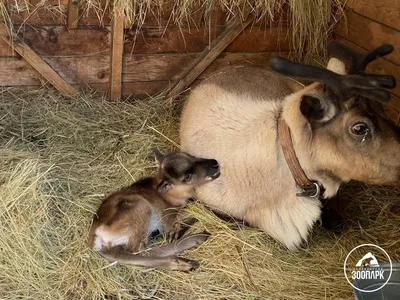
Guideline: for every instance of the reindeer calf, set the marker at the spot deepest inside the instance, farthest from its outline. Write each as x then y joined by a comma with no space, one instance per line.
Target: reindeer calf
127,218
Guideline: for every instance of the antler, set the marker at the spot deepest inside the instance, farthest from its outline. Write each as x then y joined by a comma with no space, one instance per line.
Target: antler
357,62
367,85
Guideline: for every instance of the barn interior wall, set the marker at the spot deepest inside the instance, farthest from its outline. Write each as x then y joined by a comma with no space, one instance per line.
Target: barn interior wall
155,55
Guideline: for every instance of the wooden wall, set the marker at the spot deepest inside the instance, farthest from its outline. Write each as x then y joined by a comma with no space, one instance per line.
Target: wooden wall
154,56
371,23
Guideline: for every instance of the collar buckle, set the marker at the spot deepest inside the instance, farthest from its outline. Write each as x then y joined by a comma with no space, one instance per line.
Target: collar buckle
312,190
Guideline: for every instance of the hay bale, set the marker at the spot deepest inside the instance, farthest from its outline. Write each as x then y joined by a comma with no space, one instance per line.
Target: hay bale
61,157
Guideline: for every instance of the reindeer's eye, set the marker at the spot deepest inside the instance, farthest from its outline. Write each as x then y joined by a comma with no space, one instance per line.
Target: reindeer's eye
360,128
187,177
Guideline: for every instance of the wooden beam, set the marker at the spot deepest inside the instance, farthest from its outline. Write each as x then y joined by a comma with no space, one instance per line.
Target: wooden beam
34,2
117,49
137,68
369,34
383,11
233,29
73,13
37,63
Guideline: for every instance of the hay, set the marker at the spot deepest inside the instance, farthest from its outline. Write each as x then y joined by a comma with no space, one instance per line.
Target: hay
60,157
311,21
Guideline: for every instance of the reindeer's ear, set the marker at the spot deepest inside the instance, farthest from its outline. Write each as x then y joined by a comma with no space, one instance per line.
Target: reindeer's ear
317,109
164,187
159,156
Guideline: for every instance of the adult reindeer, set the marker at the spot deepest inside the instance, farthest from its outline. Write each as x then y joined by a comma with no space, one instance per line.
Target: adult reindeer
329,133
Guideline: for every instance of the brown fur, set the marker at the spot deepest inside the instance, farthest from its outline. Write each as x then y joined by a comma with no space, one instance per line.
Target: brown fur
125,219
238,126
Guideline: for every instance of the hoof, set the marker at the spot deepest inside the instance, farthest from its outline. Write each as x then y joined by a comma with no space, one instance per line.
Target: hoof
206,234
194,265
202,237
186,265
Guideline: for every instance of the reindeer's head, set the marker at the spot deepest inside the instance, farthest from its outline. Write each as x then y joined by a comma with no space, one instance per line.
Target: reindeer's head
340,121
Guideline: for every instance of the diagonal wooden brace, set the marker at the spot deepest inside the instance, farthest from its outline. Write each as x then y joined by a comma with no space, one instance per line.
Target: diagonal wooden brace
233,29
37,63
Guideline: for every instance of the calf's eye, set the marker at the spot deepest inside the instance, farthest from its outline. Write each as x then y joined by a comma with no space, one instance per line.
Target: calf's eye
360,128
187,177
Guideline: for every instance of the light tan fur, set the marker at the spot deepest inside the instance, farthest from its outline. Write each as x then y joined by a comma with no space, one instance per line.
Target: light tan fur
125,219
337,66
238,127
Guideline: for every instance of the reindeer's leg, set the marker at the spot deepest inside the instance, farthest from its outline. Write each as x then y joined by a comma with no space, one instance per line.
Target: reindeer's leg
163,257
171,223
172,263
179,246
182,223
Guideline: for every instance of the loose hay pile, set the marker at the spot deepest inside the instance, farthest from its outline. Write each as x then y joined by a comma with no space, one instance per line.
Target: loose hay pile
60,157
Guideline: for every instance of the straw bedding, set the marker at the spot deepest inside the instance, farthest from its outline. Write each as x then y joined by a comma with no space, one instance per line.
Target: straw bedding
60,157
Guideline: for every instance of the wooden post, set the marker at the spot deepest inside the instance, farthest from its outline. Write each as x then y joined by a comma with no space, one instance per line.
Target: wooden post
117,51
37,63
233,29
73,13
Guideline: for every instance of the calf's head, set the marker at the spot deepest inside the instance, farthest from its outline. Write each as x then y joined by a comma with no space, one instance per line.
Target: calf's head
340,123
180,173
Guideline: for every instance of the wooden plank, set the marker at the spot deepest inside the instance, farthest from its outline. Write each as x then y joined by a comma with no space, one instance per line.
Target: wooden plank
380,66
34,2
6,50
369,34
95,69
226,60
208,56
383,11
155,67
38,64
73,13
58,40
258,39
117,50
174,39
17,72
150,39
75,70
392,109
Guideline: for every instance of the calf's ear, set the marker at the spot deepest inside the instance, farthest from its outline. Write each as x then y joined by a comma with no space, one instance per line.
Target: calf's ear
159,156
164,187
